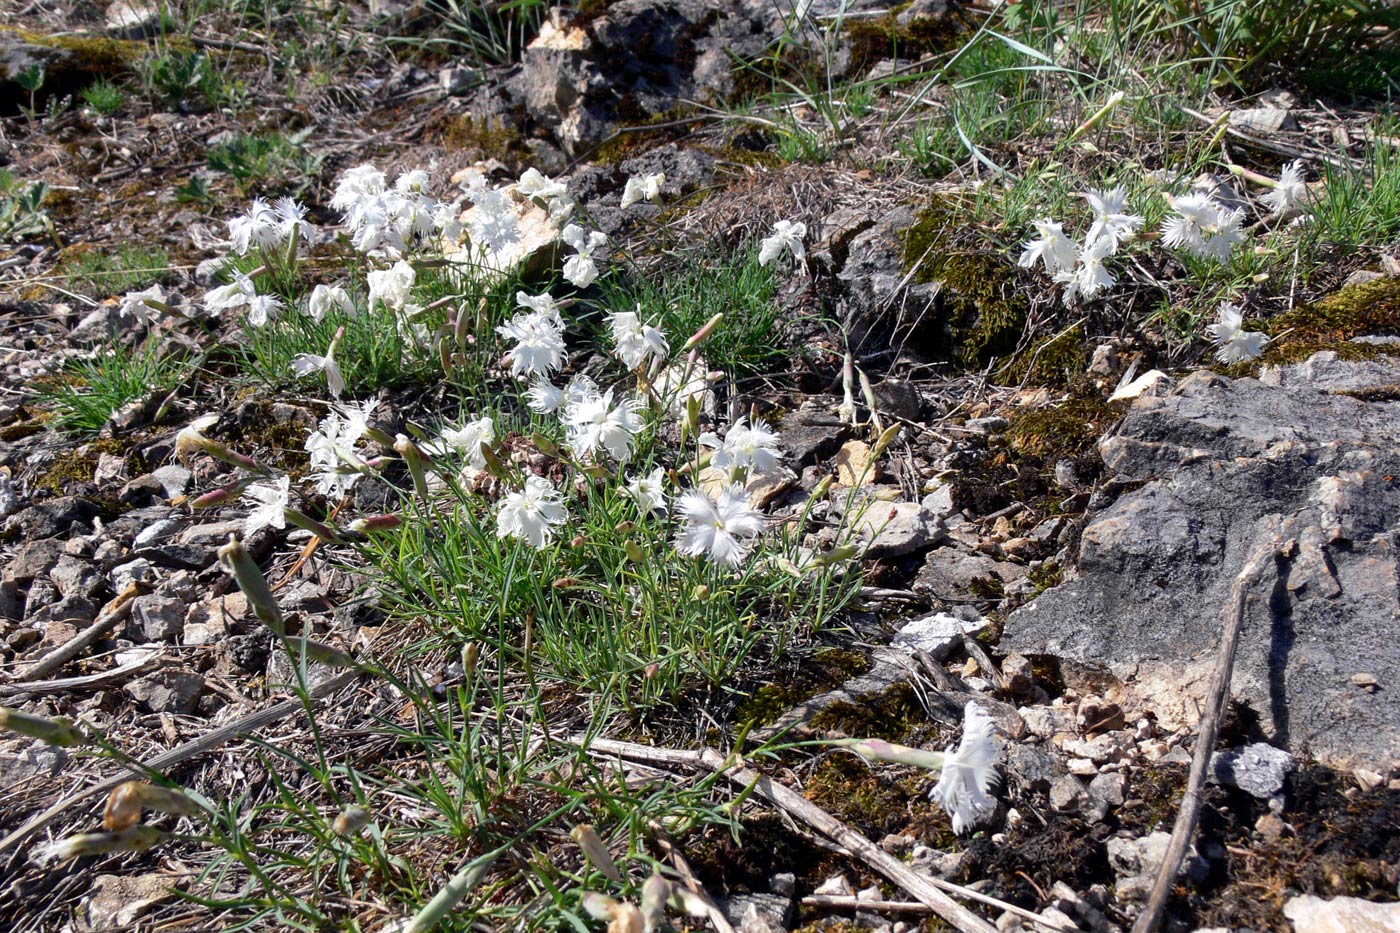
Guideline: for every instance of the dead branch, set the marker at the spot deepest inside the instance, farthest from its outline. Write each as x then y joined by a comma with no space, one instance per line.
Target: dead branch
1206,734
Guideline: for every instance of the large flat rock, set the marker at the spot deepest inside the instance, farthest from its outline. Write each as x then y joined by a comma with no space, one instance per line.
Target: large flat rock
1211,469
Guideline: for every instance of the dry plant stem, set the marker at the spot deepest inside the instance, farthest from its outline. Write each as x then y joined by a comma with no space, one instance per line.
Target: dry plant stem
851,902
113,613
87,680
184,752
1206,734
929,891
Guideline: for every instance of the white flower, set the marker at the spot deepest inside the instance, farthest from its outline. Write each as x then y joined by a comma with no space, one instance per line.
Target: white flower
580,269
533,513
355,185
291,220
1202,227
392,286
745,450
259,227
717,529
494,224
539,340
304,364
1110,215
578,390
544,396
1053,249
470,438
787,235
1235,344
1091,276
1290,191
643,188
335,464
649,491
325,298
542,304
271,511
969,773
412,182
235,294
263,308
596,423
143,304
636,342
553,194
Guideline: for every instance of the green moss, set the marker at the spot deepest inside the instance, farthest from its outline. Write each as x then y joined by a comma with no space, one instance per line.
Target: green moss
824,670
78,465
1358,310
1056,360
987,313
270,440
493,137
892,715
1065,432
95,55
874,39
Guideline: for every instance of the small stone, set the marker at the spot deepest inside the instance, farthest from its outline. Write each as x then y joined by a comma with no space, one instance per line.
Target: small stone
1082,767
938,634
757,913
62,612
39,760
1312,914
1271,826
1366,682
139,570
988,425
109,469
159,618
1099,715
173,478
119,900
783,883
897,844
168,691
457,79
1068,795
1107,789
1044,722
75,576
1008,922
1258,769
837,885
1020,678
898,528
871,893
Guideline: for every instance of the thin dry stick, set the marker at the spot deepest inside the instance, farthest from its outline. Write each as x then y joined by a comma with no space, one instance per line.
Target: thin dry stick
184,752
851,902
1191,801
928,890
87,680
113,613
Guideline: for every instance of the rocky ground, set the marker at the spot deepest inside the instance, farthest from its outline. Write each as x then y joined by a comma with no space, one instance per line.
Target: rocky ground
1059,551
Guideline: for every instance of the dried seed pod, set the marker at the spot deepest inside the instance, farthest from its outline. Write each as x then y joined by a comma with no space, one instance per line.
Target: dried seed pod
123,809
58,732
595,851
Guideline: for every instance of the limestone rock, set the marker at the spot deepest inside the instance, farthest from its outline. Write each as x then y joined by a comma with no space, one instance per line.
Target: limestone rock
1212,467
1311,914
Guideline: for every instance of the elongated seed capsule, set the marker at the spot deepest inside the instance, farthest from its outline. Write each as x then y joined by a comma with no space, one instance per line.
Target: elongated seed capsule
166,799
703,334
655,893
138,838
371,523
235,558
595,851
321,652
58,732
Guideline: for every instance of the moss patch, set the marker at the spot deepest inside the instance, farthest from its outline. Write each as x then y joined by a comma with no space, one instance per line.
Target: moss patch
874,39
824,670
1065,432
493,137
1372,308
75,467
987,313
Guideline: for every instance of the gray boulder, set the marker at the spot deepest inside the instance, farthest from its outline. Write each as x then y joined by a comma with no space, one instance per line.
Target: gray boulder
1211,470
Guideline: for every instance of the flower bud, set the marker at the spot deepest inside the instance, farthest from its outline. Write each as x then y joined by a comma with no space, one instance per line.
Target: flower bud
595,851
823,487
388,521
58,732
321,652
703,334
634,551
471,654
417,468
655,893
351,820
700,593
123,809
